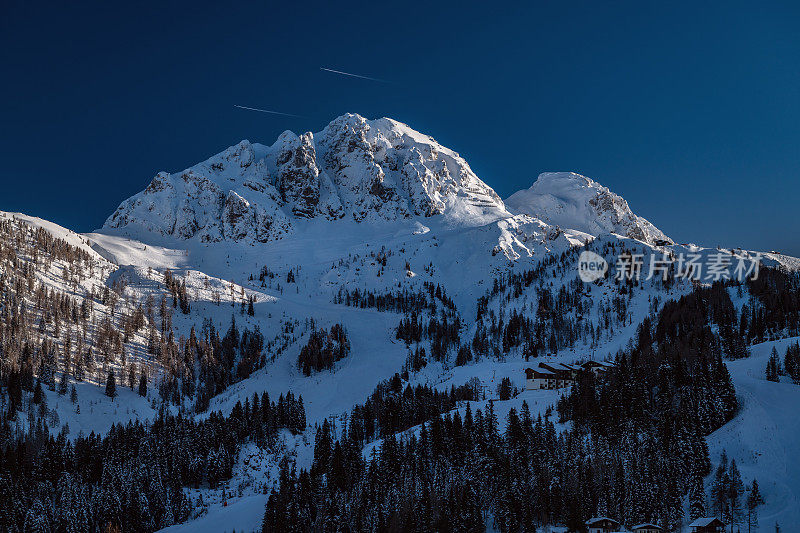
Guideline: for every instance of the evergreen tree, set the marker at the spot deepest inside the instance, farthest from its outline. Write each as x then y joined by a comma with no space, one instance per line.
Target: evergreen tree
143,385
111,385
63,386
697,497
773,369
735,492
754,500
720,487
505,389
36,519
38,393
791,362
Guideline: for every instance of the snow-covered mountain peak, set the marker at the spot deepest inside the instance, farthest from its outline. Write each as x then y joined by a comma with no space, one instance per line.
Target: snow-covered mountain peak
573,201
561,182
371,171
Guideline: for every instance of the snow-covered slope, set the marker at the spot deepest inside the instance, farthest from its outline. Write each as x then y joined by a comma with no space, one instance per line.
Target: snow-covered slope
373,206
765,436
339,196
365,170
569,200
59,232
368,171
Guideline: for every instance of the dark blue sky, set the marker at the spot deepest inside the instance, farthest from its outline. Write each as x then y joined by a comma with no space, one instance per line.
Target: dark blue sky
690,111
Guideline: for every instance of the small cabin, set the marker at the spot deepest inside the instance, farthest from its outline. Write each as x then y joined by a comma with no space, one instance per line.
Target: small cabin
708,524
602,525
647,527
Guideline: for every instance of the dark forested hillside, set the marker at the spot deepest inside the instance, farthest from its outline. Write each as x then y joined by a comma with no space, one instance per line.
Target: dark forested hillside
634,445
131,479
423,450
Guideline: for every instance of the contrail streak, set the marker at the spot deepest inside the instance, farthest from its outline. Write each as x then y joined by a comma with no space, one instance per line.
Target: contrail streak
353,75
266,111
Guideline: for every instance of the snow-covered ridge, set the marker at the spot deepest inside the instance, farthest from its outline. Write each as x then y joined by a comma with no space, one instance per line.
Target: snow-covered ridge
59,232
365,170
569,200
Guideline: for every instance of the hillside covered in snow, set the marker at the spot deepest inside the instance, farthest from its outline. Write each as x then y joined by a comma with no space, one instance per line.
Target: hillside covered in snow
285,324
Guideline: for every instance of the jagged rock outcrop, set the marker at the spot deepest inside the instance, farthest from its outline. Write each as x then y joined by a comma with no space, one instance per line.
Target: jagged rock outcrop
371,171
367,171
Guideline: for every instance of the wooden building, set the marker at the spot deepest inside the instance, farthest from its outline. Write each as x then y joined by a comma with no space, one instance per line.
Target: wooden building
562,370
540,378
708,524
549,375
596,367
602,524
647,528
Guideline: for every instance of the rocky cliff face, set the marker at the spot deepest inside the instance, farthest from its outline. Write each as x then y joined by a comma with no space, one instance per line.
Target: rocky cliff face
368,171
372,171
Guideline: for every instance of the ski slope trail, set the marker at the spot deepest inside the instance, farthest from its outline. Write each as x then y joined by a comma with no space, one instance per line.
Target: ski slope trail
765,435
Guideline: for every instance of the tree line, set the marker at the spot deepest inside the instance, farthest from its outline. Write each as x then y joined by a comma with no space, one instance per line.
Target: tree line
130,479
